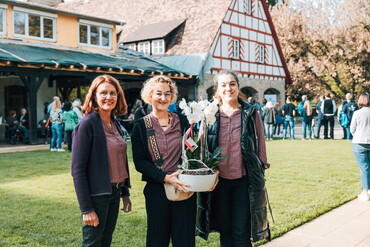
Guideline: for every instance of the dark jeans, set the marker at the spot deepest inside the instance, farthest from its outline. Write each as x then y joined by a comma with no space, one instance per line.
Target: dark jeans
326,121
168,219
232,209
319,122
107,209
69,139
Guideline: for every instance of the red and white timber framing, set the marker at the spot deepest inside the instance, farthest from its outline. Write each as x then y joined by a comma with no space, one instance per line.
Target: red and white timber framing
246,43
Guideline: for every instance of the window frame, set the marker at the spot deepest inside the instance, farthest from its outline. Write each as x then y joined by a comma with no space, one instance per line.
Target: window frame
247,7
144,43
161,46
3,8
235,49
100,27
261,52
42,15
131,46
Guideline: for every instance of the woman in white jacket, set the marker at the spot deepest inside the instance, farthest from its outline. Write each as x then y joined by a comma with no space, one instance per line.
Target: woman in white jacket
360,129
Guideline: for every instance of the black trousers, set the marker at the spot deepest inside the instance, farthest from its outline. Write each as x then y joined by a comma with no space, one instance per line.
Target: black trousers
168,219
328,120
107,209
232,211
69,139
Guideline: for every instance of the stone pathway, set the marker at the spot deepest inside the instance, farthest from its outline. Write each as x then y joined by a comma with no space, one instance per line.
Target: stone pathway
345,226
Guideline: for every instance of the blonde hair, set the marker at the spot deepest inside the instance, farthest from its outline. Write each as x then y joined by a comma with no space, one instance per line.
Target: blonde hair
91,104
147,90
56,104
269,104
308,107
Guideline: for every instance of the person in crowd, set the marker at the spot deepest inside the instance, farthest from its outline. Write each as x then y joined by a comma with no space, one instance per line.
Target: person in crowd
99,161
269,118
76,107
328,109
24,119
349,109
239,131
166,220
70,120
320,116
50,106
256,102
340,110
360,129
288,114
12,122
262,107
307,117
56,120
279,119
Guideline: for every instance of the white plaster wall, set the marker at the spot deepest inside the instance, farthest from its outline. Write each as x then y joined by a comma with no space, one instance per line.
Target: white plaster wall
44,94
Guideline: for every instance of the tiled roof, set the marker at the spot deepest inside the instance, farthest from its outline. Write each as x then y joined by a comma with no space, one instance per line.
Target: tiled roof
52,9
203,18
153,31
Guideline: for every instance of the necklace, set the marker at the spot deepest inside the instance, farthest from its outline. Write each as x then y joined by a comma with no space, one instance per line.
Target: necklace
169,121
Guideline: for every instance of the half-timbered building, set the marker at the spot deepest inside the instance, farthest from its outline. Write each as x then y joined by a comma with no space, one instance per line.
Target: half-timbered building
203,38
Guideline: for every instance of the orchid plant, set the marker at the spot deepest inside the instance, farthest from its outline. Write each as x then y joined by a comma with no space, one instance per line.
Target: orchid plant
195,150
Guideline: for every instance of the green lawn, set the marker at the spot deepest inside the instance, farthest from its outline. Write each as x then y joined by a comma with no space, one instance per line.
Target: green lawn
38,206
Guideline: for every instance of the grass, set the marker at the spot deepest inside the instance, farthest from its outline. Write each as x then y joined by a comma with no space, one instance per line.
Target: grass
39,208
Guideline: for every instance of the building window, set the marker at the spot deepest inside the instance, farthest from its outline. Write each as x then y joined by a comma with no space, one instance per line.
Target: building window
3,8
131,46
95,34
158,46
144,47
260,54
34,24
233,49
247,6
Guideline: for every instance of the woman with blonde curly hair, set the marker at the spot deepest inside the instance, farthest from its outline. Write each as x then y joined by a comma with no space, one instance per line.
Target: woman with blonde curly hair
166,220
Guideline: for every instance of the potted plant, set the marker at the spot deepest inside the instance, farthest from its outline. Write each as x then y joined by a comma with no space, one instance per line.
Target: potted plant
198,164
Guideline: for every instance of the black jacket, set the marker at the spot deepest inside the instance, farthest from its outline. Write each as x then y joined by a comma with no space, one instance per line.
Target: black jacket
90,166
255,172
141,155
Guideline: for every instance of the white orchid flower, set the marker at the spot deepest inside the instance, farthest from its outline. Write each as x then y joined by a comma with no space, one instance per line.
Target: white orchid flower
187,110
183,104
193,118
211,109
196,108
210,119
203,104
215,101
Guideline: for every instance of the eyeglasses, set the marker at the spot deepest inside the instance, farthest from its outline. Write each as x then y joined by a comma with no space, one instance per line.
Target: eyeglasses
166,95
104,94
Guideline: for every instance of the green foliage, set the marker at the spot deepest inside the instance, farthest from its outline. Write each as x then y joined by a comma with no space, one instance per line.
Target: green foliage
39,208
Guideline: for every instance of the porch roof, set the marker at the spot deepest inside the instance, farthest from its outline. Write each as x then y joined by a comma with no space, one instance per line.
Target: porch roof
31,56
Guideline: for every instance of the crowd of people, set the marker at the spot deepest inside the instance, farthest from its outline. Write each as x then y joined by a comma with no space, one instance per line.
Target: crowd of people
233,206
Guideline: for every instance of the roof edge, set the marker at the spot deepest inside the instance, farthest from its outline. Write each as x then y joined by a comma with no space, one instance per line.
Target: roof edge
276,39
53,9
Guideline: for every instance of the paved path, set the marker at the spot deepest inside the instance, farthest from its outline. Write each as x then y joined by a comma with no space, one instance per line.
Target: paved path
345,226
21,148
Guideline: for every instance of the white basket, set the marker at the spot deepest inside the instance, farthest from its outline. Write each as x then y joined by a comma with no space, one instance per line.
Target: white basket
198,183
